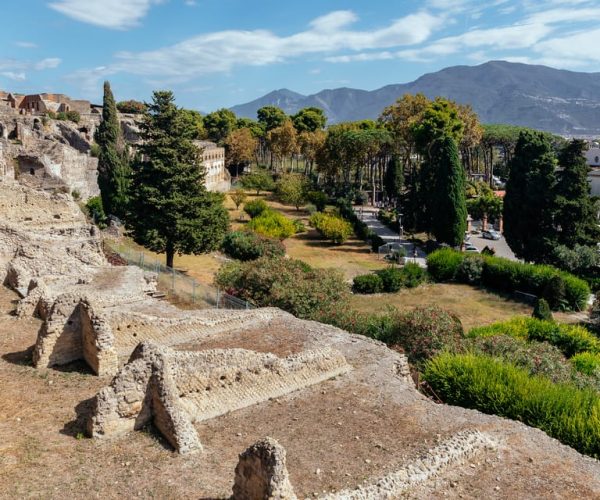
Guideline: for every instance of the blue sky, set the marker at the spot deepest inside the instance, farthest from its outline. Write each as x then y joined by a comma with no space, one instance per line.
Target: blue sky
215,53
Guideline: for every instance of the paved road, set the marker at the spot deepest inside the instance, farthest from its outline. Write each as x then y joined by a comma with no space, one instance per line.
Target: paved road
501,247
369,217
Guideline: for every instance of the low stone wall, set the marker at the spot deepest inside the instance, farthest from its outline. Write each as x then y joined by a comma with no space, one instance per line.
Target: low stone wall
174,389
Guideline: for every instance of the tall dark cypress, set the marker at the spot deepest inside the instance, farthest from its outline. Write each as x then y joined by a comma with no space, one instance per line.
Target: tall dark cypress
171,210
575,212
113,162
394,179
529,199
446,204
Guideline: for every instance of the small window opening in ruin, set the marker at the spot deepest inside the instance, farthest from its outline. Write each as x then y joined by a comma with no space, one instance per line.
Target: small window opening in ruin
70,322
32,171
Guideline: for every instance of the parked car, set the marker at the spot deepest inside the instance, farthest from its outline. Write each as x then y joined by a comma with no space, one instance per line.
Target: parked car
491,235
469,247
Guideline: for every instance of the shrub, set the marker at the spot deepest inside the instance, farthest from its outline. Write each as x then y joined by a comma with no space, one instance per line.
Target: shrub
570,339
291,190
367,283
376,326
413,275
246,245
299,226
131,106
424,332
539,358
76,195
542,310
255,207
331,227
587,363
490,385
443,264
392,279
555,293
95,150
96,210
289,284
272,225
238,197
259,181
73,116
318,199
470,270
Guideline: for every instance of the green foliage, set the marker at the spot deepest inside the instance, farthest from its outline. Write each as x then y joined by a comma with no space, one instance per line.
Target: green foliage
439,119
289,284
238,197
361,230
299,226
528,203
392,279
443,264
331,227
291,190
489,205
490,385
542,310
259,181
95,209
538,358
587,363
76,195
272,225
72,116
131,107
413,275
570,339
318,199
246,245
172,210
270,117
94,150
445,204
256,207
470,270
425,332
114,170
219,124
309,119
566,290
393,181
367,283
193,122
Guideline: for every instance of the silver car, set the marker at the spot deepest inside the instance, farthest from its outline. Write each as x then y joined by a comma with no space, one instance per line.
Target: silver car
491,235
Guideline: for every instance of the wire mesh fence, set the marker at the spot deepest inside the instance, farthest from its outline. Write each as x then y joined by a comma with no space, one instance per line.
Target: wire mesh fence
175,283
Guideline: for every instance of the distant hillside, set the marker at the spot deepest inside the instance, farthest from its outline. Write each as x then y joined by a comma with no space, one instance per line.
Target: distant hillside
559,101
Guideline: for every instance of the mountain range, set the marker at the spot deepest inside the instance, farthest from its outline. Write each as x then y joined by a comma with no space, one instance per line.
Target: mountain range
559,101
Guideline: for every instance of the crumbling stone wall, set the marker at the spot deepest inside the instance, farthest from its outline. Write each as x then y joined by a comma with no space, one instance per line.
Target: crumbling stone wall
174,389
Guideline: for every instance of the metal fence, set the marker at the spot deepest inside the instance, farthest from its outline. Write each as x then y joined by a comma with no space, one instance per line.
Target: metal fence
177,284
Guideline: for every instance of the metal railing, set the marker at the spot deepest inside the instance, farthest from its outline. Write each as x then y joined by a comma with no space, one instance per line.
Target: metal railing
175,283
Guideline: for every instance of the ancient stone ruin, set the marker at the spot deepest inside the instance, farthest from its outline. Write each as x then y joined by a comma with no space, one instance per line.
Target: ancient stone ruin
174,389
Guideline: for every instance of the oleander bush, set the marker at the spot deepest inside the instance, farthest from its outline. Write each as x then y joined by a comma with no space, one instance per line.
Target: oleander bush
570,339
246,245
470,270
561,289
272,225
491,385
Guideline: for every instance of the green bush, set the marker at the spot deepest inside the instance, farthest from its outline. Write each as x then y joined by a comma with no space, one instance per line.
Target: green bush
318,199
443,264
470,270
391,278
246,245
94,150
331,227
560,289
95,210
299,226
272,225
570,339
367,283
376,326
587,363
424,332
563,411
413,275
255,207
542,310
289,284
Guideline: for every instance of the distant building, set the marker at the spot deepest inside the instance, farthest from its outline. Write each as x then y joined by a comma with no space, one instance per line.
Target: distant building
213,160
594,178
592,156
44,103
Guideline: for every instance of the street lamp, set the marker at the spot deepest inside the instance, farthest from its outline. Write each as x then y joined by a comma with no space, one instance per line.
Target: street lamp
400,228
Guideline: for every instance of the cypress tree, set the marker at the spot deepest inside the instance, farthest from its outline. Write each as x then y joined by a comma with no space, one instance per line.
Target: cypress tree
529,199
446,204
394,179
113,161
575,212
172,212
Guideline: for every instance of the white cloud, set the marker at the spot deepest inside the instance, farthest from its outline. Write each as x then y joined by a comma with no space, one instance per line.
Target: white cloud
48,63
221,51
114,14
26,45
14,76
17,70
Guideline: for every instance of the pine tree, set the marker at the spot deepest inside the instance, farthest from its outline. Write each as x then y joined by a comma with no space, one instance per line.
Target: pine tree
575,212
529,199
394,179
446,204
172,212
113,160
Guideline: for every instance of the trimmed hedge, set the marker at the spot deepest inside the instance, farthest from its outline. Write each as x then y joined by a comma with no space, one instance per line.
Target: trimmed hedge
246,245
487,384
559,288
390,279
570,339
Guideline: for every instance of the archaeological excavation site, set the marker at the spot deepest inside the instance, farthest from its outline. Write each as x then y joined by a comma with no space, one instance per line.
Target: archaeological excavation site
111,391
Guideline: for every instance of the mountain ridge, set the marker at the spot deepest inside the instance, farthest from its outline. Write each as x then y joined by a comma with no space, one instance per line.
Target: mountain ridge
559,101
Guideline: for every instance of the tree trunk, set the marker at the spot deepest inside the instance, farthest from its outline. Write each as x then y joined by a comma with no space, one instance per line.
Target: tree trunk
170,250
